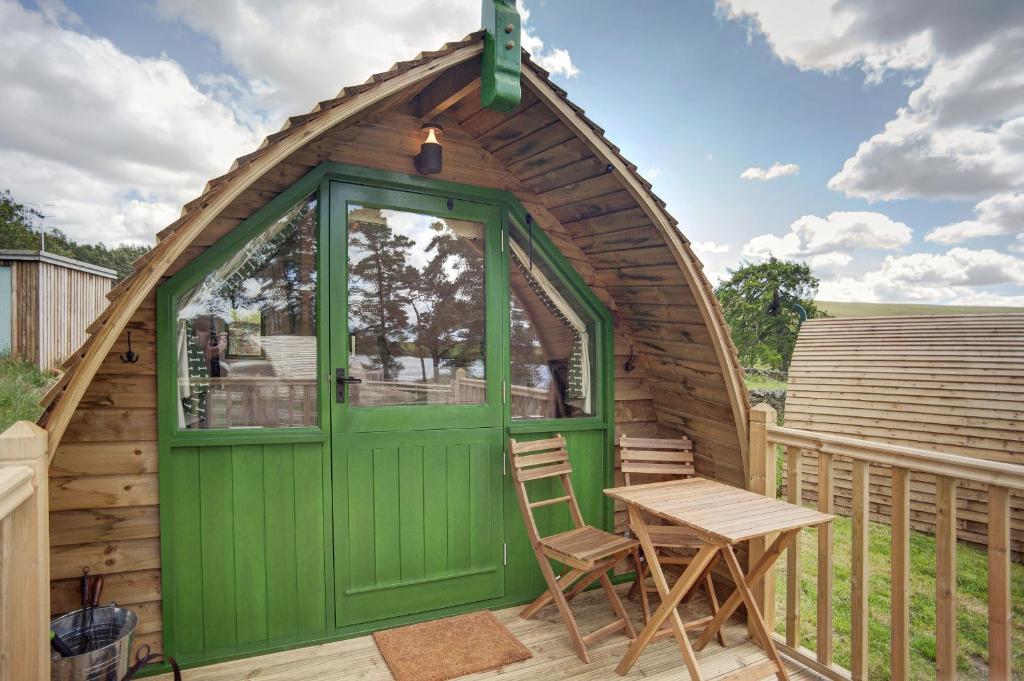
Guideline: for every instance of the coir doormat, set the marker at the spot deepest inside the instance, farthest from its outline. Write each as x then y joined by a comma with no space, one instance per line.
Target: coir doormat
449,648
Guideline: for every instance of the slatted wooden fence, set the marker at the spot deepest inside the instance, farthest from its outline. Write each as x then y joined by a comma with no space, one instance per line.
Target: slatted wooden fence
24,555
902,464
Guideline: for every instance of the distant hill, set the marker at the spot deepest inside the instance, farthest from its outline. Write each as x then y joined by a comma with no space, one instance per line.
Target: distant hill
903,309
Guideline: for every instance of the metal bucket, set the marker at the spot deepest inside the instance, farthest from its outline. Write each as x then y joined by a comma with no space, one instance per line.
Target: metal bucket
103,638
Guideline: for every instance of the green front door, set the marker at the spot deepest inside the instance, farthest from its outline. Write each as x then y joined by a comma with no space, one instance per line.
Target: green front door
416,335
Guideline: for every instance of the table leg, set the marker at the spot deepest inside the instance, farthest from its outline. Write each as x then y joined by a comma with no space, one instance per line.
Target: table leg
756,622
757,572
669,600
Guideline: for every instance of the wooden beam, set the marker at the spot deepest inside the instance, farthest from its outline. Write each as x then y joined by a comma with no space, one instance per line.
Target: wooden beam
999,610
448,89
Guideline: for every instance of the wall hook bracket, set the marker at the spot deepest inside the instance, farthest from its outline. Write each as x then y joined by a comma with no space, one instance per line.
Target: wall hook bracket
630,362
129,357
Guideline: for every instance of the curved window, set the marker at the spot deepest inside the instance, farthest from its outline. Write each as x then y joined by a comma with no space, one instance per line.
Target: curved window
246,340
552,340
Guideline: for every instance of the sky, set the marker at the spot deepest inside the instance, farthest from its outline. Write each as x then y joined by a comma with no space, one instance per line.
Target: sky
880,142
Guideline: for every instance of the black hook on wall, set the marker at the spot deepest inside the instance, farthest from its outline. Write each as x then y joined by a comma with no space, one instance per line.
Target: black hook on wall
129,357
630,362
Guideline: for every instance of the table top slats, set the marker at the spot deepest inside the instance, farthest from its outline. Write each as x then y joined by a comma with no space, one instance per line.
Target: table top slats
719,512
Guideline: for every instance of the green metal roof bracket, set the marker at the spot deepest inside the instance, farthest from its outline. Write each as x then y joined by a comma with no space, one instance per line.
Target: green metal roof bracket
499,72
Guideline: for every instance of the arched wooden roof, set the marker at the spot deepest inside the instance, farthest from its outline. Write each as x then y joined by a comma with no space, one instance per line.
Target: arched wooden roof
567,174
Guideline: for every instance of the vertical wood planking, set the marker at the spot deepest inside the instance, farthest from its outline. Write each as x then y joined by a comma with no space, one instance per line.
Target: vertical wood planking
859,572
481,539
215,490
458,507
825,578
999,666
435,511
386,535
186,538
945,579
794,492
360,503
250,542
282,586
412,512
899,603
309,536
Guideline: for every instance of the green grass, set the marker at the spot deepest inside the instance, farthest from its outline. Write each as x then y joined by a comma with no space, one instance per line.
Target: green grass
835,309
972,603
764,383
22,385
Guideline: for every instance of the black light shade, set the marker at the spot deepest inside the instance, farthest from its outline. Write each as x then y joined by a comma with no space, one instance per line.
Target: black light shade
428,161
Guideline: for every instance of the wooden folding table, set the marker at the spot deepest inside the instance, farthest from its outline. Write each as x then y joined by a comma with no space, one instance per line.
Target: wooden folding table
722,516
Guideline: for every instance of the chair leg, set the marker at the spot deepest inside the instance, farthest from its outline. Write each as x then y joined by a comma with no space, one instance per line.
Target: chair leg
555,591
640,585
564,581
617,606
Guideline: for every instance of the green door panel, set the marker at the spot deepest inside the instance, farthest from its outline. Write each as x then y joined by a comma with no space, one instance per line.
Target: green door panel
417,521
249,558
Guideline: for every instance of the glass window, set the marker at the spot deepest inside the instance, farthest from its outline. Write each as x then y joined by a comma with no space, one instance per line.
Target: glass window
246,333
552,341
415,308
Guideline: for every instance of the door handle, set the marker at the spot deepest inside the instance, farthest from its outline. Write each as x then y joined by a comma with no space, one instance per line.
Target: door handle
340,381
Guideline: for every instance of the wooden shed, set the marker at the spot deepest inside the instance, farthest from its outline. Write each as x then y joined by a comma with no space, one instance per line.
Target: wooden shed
46,303
946,383
311,445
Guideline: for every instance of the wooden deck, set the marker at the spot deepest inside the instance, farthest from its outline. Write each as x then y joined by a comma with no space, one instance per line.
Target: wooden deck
544,635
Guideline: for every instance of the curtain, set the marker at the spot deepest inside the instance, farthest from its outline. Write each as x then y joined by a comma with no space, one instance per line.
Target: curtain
579,379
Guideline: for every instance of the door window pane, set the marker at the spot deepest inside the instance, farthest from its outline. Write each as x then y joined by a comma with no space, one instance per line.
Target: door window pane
246,334
551,338
415,308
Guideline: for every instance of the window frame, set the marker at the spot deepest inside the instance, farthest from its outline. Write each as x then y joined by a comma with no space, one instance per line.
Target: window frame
513,217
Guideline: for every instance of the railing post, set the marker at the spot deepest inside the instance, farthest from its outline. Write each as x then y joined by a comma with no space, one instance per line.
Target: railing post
999,610
761,480
25,562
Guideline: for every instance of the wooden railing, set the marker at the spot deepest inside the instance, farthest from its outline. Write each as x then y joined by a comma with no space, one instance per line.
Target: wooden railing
24,554
903,462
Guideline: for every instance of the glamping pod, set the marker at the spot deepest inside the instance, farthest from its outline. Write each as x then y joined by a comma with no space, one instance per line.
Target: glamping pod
337,339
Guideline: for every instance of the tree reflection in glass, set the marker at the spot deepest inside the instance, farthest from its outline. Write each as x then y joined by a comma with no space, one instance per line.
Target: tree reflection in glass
416,308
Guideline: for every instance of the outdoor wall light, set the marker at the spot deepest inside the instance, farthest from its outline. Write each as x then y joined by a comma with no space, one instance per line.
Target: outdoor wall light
428,161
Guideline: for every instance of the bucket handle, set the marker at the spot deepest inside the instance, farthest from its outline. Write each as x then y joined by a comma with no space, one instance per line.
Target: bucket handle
143,656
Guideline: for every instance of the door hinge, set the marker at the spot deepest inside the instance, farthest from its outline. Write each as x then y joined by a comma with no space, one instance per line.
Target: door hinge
504,554
503,390
504,463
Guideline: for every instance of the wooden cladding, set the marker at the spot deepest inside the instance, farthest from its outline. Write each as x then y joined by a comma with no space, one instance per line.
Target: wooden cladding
944,383
71,299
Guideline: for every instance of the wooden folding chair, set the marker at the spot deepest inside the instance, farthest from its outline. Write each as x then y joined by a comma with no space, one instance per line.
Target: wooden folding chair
666,458
587,552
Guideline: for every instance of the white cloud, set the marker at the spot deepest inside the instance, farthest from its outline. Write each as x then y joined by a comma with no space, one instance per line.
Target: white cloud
960,275
709,248
651,173
555,61
776,170
997,215
827,241
110,145
960,134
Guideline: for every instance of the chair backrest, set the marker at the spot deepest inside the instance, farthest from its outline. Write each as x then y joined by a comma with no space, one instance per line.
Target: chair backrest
655,456
536,460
